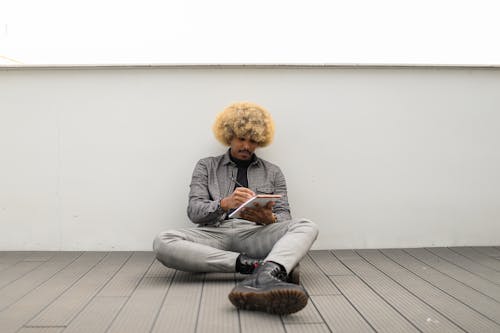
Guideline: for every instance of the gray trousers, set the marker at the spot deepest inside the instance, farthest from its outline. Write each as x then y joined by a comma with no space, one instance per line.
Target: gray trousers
215,249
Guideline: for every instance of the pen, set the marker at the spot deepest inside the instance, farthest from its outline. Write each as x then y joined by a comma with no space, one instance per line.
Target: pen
237,183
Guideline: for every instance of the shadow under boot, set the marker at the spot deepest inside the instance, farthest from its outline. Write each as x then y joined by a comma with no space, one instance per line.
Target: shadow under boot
294,276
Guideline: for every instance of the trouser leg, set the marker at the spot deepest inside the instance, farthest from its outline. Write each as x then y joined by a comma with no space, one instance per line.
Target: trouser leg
195,250
285,243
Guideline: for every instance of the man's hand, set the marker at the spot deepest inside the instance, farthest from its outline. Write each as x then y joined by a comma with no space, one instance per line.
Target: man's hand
260,215
239,196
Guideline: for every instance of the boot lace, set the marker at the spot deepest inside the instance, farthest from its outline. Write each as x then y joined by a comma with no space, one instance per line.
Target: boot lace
278,274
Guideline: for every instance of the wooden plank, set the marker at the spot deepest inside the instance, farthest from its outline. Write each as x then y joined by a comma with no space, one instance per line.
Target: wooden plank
109,301
40,256
314,280
70,303
103,313
11,258
17,271
14,291
462,315
307,328
140,312
467,264
16,315
217,314
129,276
472,280
381,316
471,297
339,315
20,263
328,263
97,316
417,312
478,257
488,250
158,270
260,322
41,330
308,315
179,311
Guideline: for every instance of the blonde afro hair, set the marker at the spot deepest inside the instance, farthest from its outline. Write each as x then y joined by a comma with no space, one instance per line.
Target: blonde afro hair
244,119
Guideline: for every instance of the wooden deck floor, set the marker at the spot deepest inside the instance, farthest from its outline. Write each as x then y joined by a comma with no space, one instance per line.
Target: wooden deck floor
403,290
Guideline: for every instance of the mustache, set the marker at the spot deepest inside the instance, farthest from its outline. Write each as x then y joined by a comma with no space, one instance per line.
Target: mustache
244,151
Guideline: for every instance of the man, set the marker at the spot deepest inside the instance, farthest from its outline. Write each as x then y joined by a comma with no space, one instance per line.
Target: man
265,242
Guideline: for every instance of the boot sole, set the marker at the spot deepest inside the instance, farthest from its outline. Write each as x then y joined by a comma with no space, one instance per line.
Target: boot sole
279,301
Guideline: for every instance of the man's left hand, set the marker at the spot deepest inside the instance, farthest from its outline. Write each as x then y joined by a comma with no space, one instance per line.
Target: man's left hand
260,215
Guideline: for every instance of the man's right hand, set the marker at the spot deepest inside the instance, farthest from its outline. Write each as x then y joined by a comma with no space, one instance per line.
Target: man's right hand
239,196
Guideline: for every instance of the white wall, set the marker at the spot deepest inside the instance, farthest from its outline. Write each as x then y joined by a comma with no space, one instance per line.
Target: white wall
101,158
257,32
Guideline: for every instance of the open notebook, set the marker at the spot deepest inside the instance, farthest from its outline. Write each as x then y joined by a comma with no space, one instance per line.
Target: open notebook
261,199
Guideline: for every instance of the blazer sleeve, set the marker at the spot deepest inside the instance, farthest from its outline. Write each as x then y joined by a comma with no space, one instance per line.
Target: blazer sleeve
202,208
282,207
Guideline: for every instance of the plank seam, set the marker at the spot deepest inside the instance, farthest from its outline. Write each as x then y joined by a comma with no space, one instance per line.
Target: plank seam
349,301
162,301
474,260
129,297
437,287
100,289
314,304
382,297
451,277
43,282
20,277
68,288
464,268
199,304
421,300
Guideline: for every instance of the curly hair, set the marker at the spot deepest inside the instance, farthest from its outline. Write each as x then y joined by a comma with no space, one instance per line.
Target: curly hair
244,119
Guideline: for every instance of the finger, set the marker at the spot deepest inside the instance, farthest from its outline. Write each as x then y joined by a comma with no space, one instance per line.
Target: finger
243,194
245,190
241,200
270,204
241,190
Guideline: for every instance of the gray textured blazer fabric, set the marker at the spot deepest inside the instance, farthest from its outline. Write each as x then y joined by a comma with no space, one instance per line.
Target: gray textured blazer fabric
211,182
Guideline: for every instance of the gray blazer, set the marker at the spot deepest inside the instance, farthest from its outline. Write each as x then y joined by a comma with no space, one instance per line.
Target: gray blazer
211,182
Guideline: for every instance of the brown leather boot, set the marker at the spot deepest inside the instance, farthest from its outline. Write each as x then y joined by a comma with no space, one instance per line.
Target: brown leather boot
266,290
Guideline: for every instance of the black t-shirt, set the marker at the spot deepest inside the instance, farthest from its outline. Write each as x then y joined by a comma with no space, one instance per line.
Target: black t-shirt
242,166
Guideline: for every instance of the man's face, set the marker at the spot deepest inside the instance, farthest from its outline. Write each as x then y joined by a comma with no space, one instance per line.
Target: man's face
243,148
